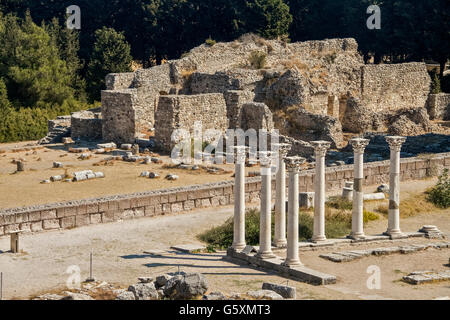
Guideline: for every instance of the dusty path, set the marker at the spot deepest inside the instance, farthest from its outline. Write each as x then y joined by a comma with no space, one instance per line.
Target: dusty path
119,258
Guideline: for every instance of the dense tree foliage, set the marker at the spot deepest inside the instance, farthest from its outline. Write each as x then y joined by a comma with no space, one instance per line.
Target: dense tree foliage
111,54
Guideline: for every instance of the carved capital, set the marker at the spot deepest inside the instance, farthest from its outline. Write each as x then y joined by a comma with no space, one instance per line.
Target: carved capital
293,164
395,142
359,144
265,159
282,149
320,147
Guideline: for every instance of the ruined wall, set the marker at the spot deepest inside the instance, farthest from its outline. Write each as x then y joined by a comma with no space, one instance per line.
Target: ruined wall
119,115
438,106
390,87
118,81
80,213
181,111
86,125
256,115
235,99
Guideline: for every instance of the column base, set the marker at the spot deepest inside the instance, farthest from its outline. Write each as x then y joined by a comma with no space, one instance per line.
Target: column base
265,255
356,236
292,263
318,238
395,234
238,246
281,243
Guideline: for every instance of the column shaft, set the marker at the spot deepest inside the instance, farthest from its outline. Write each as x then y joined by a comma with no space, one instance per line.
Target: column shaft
265,228
239,207
280,205
358,196
319,199
394,194
292,236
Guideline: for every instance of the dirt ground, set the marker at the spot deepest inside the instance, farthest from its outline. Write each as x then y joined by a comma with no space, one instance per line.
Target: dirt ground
120,178
119,258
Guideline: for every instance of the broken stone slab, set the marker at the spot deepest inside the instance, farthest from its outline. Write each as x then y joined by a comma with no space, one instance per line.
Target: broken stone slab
76,296
99,175
57,178
57,165
78,150
286,292
110,145
172,177
214,296
84,156
126,146
189,248
419,277
374,196
99,151
347,193
386,251
264,295
156,160
45,181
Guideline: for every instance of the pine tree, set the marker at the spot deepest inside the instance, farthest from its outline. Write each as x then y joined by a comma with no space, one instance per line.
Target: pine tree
111,54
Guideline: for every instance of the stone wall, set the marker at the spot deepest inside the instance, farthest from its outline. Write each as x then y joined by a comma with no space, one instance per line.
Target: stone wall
438,106
86,125
119,114
256,115
181,111
390,87
118,81
177,200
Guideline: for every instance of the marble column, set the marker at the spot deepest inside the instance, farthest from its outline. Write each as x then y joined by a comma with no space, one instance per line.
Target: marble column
395,144
280,196
265,226
358,145
239,199
320,150
293,165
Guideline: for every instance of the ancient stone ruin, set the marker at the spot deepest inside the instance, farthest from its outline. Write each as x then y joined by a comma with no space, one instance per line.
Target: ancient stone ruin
313,90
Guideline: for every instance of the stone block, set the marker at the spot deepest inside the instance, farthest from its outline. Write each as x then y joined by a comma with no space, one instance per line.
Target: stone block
36,226
95,218
48,214
51,224
82,220
68,222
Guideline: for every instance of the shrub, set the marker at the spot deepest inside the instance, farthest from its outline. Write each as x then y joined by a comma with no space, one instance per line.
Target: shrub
339,203
257,59
210,42
435,82
439,195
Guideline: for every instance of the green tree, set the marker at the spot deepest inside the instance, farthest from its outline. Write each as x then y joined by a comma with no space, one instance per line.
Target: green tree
32,69
4,102
111,54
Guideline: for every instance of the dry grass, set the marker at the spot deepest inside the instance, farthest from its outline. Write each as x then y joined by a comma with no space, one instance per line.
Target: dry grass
294,62
414,205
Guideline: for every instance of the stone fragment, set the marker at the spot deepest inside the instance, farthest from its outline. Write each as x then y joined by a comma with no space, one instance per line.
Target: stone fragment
145,279
284,291
188,248
187,286
76,296
145,174
126,295
162,280
214,296
57,178
153,175
383,188
172,177
144,291
57,165
374,196
126,146
45,181
264,295
156,160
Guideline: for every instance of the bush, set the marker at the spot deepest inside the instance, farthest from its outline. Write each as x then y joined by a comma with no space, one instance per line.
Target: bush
439,195
257,59
435,82
210,42
339,203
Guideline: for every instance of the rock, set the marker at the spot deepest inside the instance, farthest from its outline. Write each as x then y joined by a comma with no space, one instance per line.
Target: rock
135,149
57,165
126,295
214,296
145,174
156,160
45,181
126,146
153,175
162,280
187,286
264,295
144,291
284,291
76,296
383,188
172,177
145,279
49,296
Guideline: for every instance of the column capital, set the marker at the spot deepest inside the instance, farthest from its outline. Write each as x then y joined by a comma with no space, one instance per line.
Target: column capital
240,152
265,159
359,144
293,164
395,142
320,147
282,149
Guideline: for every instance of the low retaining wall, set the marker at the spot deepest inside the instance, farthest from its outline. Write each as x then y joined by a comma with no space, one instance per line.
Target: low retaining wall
80,213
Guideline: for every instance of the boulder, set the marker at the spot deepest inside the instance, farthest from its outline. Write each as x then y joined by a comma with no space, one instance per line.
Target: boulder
126,295
264,295
162,280
187,286
144,291
284,291
214,296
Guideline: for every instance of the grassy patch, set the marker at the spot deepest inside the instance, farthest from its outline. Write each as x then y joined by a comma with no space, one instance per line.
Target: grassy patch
339,203
439,195
411,206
